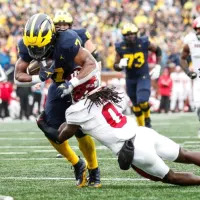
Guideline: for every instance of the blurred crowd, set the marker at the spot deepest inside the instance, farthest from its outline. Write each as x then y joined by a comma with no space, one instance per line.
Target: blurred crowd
166,22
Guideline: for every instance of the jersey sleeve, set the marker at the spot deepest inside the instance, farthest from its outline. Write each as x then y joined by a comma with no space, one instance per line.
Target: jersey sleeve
23,52
77,114
70,45
84,35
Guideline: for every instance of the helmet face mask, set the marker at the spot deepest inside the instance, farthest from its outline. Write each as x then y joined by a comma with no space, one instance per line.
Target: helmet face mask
62,26
130,38
63,21
40,53
39,36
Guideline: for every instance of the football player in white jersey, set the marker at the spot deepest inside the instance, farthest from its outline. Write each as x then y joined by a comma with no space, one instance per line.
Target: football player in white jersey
192,48
95,110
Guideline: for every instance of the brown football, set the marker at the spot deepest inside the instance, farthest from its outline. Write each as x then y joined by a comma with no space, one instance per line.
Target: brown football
34,67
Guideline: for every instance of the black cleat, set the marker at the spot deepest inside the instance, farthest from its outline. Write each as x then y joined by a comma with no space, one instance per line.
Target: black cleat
148,122
80,173
94,178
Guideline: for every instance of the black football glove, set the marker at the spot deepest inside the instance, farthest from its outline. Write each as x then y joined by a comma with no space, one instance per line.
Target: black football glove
45,71
192,75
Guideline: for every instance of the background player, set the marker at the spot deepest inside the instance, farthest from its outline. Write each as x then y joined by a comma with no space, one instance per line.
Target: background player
131,55
64,21
191,48
97,113
41,42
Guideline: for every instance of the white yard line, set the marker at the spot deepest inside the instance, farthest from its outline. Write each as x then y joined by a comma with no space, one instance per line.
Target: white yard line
60,178
27,159
12,153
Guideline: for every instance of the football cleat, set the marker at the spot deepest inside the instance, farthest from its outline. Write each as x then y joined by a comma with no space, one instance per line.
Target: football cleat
59,156
80,173
94,178
148,122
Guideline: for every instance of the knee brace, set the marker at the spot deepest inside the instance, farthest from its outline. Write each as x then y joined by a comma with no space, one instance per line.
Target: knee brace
137,110
50,132
144,106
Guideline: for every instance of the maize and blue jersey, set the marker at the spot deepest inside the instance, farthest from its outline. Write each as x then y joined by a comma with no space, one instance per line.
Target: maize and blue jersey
65,50
137,70
137,56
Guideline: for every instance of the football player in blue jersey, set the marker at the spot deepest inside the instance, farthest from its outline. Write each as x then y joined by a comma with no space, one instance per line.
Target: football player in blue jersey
131,55
41,42
64,21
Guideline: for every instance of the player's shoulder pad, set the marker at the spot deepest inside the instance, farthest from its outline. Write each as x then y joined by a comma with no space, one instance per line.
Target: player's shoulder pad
78,113
21,46
83,34
80,31
68,39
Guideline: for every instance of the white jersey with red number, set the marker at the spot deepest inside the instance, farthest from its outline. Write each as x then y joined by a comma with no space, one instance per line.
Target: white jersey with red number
111,128
104,123
194,45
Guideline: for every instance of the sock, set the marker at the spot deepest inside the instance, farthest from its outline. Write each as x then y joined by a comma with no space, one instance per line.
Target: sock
87,147
66,151
139,115
145,109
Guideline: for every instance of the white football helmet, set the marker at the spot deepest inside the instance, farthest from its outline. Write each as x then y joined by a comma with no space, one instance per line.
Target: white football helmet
196,25
84,89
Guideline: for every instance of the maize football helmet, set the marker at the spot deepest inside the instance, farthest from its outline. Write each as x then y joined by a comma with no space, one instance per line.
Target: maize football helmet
62,19
129,32
39,36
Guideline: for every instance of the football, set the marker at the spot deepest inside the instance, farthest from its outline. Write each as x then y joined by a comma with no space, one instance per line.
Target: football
34,67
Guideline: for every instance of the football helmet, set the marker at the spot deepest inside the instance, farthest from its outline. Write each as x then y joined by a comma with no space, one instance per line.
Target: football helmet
39,36
196,27
86,89
61,19
129,32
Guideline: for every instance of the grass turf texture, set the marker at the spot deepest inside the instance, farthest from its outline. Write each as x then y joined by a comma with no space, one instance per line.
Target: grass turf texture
30,171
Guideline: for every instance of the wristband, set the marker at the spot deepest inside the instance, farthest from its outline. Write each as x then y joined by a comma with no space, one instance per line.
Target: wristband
36,79
75,82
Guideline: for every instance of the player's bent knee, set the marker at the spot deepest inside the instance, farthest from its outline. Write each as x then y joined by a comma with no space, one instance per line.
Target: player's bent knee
79,134
183,156
170,177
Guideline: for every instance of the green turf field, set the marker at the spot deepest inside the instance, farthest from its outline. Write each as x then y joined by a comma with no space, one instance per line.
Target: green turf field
29,169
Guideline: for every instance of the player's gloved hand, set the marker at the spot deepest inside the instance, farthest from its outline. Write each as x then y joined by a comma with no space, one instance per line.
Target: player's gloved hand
64,89
155,72
123,63
45,71
192,75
